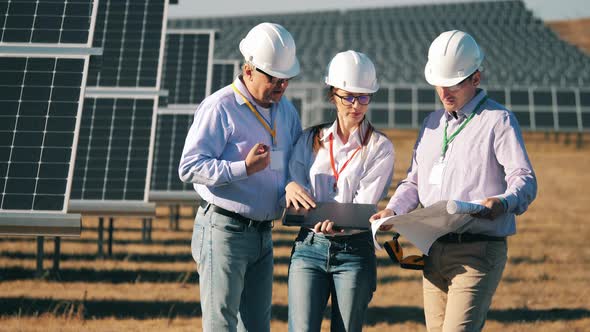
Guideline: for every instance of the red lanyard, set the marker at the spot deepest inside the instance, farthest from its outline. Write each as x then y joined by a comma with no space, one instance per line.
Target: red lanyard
334,171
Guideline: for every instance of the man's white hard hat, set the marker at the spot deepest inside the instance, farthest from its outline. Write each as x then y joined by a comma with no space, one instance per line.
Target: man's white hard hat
271,48
452,57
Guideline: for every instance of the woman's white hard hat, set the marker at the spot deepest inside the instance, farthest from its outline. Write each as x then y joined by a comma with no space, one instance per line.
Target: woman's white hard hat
352,71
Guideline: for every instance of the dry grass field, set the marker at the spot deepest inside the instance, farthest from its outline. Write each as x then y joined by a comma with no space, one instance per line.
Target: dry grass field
154,287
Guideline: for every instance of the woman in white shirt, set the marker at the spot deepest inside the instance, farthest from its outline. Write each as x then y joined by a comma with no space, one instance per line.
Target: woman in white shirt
347,161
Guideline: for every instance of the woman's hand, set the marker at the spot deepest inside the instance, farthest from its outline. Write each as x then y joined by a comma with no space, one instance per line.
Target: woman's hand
326,227
382,214
297,196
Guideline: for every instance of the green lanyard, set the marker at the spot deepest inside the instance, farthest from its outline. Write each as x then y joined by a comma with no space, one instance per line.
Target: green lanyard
448,140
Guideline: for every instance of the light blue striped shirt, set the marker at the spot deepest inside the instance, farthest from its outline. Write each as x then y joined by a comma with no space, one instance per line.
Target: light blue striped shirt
223,132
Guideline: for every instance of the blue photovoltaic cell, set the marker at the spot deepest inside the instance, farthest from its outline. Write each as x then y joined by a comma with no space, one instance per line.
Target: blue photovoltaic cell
46,21
129,32
39,100
223,75
171,132
113,149
185,67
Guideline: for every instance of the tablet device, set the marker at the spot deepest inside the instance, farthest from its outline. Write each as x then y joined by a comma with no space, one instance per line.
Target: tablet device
344,215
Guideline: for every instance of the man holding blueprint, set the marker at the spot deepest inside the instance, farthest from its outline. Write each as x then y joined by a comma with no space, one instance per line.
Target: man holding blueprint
471,150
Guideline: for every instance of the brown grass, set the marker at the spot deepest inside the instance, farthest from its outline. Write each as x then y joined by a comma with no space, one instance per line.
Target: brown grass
153,287
576,32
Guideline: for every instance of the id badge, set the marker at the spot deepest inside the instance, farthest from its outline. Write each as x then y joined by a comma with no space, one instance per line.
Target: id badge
277,160
437,172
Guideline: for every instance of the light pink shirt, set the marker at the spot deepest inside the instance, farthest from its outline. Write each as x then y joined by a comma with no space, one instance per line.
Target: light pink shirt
487,158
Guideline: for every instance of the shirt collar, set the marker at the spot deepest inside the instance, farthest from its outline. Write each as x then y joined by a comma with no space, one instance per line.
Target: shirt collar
468,108
244,90
353,139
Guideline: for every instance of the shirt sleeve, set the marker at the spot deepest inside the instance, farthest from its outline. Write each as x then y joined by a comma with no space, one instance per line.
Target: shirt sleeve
406,199
298,169
521,182
207,137
376,180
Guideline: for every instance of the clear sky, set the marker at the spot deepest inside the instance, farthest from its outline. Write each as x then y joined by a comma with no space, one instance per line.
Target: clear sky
545,9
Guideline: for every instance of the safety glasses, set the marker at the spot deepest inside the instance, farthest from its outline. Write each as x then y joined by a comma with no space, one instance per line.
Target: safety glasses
273,80
457,87
396,253
349,100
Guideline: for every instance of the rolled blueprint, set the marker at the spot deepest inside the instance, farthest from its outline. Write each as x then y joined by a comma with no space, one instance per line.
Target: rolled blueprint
460,207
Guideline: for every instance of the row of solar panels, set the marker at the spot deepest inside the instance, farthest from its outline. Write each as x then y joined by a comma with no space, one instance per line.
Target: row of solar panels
79,96
394,106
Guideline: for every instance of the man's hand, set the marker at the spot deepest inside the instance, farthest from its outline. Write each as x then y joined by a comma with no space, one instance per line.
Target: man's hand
495,206
297,196
383,214
257,159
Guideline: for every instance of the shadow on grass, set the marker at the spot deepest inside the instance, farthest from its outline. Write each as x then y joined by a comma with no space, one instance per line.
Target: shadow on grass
127,309
115,276
118,241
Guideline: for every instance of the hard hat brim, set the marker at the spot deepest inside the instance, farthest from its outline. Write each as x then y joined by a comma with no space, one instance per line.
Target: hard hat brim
353,89
436,80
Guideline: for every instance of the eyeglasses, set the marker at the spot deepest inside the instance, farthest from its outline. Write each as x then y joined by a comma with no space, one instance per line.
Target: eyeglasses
396,253
457,86
349,100
273,80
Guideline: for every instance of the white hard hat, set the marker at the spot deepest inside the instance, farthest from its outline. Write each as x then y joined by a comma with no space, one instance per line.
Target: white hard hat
352,71
271,48
452,57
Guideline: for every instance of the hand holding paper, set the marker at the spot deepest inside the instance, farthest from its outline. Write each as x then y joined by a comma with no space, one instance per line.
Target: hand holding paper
423,226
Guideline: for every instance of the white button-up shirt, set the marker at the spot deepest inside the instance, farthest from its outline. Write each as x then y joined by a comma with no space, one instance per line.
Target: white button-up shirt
223,132
365,179
487,158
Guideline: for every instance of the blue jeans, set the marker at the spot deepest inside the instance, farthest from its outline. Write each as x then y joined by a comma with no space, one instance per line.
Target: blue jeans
235,264
343,267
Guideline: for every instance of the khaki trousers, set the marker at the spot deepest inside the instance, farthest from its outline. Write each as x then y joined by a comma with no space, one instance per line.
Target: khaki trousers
459,282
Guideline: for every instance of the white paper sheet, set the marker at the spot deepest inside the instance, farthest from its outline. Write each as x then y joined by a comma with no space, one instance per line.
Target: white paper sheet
423,226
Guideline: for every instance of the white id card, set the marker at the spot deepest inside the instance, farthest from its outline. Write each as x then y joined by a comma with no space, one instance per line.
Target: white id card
277,160
437,172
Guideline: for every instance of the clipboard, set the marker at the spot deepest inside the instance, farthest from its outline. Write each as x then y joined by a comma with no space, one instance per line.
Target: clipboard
344,215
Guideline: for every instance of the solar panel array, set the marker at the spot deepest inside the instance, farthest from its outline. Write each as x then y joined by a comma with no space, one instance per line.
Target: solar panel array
41,89
188,58
116,133
187,78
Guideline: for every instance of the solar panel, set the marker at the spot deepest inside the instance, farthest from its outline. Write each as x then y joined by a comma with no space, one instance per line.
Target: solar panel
113,160
54,22
187,65
130,33
113,149
44,55
39,99
171,131
224,73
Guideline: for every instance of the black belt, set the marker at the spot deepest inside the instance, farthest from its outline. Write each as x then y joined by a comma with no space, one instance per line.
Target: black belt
258,224
468,237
